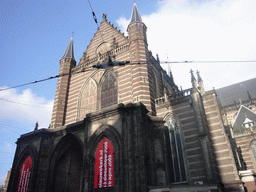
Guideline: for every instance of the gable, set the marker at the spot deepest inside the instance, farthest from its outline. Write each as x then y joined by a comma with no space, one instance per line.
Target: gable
106,41
244,115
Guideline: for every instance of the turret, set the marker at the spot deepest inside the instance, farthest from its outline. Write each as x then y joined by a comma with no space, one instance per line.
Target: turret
137,37
142,80
67,62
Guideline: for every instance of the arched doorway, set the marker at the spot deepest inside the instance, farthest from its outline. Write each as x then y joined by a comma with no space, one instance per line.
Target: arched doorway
68,168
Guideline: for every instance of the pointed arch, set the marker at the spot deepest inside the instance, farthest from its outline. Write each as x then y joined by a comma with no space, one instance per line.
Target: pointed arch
104,165
87,99
24,170
108,89
105,132
153,81
174,141
66,165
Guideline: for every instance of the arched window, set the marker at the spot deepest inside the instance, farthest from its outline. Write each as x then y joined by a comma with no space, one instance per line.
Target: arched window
174,143
25,172
153,83
88,99
154,86
104,165
108,90
253,148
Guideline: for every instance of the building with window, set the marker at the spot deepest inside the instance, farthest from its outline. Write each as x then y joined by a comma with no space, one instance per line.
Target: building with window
239,115
120,123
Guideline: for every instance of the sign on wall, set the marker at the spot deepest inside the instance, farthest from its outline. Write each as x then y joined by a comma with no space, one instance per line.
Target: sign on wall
24,175
104,165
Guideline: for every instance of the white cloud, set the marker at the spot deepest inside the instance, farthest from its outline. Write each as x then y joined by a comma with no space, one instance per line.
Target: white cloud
25,106
217,30
8,148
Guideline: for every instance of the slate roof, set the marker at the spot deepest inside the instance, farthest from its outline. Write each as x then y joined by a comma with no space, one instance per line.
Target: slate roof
236,92
69,53
244,115
135,14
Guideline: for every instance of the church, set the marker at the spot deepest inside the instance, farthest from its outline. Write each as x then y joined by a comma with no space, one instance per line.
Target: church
119,123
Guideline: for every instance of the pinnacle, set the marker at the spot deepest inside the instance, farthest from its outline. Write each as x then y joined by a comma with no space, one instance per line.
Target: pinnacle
135,14
69,53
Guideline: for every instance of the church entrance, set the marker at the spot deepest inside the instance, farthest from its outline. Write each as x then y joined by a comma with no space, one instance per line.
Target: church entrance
68,170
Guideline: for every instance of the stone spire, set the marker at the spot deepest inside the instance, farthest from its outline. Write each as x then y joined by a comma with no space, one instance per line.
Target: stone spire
200,83
193,81
135,14
69,53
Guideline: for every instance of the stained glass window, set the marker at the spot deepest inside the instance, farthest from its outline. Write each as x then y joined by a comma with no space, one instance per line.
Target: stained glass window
89,99
176,158
253,148
109,91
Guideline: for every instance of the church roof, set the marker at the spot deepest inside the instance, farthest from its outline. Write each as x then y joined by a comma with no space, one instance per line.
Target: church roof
135,14
69,53
239,92
244,116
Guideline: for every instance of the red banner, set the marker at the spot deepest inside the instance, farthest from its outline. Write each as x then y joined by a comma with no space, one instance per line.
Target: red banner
104,165
24,175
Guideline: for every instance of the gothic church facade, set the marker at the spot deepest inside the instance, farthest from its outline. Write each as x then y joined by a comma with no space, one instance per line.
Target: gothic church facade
120,123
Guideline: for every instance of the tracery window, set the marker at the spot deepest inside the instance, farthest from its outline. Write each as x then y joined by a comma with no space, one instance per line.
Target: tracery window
253,148
153,84
25,172
176,159
109,90
89,99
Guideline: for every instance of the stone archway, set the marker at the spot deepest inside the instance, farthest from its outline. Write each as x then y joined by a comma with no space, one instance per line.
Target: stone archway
68,171
67,165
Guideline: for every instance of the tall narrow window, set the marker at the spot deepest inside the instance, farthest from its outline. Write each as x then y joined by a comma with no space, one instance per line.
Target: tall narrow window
176,159
25,175
253,148
88,99
108,90
104,165
153,83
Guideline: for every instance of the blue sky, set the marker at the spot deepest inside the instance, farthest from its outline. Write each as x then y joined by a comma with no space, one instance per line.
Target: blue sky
35,34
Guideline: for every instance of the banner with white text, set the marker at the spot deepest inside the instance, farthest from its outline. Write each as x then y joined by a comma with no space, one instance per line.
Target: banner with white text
24,175
104,165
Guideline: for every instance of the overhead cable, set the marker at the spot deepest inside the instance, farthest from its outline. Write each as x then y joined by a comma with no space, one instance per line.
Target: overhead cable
126,63
49,78
244,61
23,103
10,130
93,14
13,126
